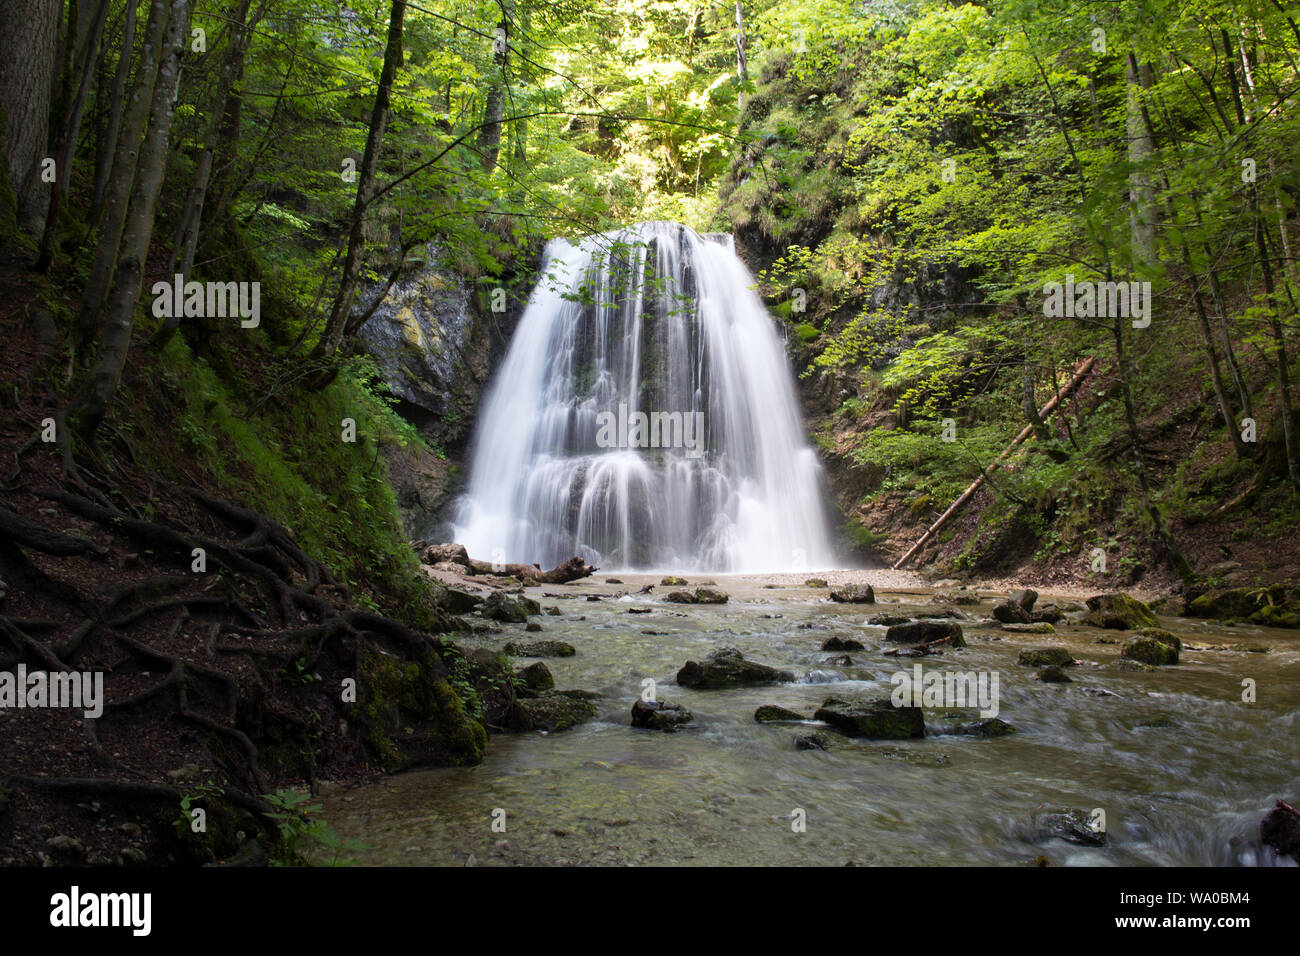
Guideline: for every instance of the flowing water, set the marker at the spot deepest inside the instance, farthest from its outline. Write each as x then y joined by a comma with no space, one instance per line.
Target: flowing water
644,417
1182,767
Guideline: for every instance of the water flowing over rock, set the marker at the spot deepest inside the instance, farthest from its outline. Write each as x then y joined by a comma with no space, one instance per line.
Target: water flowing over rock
645,417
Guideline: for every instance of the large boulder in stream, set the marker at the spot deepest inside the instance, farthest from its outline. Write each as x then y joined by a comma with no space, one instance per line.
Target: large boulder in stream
1119,612
500,606
660,715
1149,649
854,594
1045,657
728,668
876,718
926,632
553,711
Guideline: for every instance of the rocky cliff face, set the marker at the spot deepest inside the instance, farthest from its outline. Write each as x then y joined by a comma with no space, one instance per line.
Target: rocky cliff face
436,342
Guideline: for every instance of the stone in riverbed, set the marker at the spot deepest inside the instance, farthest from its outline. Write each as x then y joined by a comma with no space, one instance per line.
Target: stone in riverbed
1011,612
961,596
728,668
540,649
854,594
770,712
887,620
1119,612
660,715
455,601
532,627
926,632
1148,650
815,583
698,596
1045,656
499,606
552,711
991,727
672,581
841,644
449,554
1073,826
878,719
839,660
811,742
1053,674
536,677
1038,627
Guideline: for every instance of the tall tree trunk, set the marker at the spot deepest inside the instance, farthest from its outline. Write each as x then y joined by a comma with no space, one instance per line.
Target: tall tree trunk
118,193
90,403
337,321
30,29
187,234
1141,193
742,66
108,146
494,111
84,32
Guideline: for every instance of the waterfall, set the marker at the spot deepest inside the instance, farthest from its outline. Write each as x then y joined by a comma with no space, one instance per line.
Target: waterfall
644,417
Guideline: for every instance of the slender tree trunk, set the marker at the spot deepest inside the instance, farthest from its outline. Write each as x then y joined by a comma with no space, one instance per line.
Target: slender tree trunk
118,194
77,72
494,111
742,66
108,146
187,234
337,321
1140,147
30,29
91,401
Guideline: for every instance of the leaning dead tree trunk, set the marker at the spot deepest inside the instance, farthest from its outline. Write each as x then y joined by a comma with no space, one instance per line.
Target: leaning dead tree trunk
1075,381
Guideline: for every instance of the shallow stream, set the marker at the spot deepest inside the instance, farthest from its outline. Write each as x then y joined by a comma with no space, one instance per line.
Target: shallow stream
1182,768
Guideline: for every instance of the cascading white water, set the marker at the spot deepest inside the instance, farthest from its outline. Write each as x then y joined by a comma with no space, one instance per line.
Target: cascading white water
658,320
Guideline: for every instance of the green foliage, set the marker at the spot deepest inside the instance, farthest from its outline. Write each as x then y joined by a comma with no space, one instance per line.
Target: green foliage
304,837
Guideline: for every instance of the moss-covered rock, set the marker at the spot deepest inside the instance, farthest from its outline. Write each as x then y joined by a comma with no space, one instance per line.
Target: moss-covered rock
499,606
925,632
536,677
1274,606
540,649
728,668
1118,612
698,596
770,712
1045,657
815,583
877,718
672,581
1054,674
410,716
552,711
990,727
660,715
1148,650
